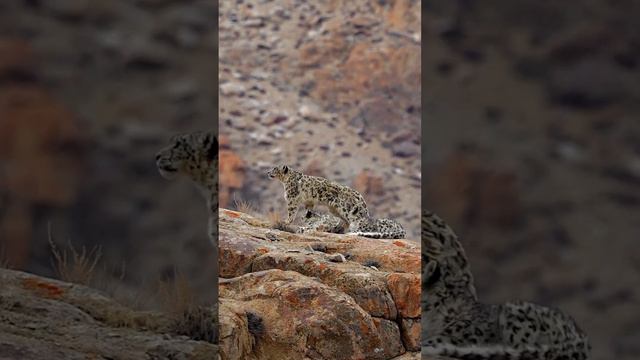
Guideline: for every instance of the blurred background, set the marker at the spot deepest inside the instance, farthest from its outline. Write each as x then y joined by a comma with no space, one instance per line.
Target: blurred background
532,153
331,88
89,92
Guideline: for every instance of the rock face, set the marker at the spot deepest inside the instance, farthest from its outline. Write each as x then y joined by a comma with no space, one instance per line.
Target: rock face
331,88
315,295
41,318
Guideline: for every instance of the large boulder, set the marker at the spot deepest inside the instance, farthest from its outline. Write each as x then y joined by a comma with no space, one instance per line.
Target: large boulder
315,295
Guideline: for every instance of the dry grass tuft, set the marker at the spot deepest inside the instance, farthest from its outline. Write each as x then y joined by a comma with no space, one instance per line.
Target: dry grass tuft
74,266
198,323
189,319
176,294
244,206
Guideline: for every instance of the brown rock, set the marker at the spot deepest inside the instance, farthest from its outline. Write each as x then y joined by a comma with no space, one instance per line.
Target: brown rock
304,317
235,340
410,329
406,292
389,330
241,236
237,254
390,255
303,303
364,285
49,319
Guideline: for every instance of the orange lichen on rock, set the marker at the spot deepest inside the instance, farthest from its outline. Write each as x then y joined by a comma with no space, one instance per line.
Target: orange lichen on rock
307,296
406,291
42,288
231,213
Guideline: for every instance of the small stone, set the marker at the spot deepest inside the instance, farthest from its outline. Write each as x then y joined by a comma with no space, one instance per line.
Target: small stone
232,88
310,111
405,149
257,22
271,236
337,258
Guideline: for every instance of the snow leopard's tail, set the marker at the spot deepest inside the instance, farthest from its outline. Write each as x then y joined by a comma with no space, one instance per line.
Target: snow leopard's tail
578,349
384,229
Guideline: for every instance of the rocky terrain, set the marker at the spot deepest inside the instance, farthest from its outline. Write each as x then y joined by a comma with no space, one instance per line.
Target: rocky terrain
530,133
531,153
42,318
331,88
315,295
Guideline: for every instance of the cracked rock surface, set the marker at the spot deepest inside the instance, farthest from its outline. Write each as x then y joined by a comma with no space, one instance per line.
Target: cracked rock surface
281,299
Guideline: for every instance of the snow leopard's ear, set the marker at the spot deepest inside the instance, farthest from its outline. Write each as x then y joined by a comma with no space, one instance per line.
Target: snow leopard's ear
285,169
211,145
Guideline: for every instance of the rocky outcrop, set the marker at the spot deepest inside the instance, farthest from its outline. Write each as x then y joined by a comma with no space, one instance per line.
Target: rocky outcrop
315,295
41,318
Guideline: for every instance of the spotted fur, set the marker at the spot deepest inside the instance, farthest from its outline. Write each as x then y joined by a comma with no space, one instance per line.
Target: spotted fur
382,229
195,155
344,203
322,222
456,324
